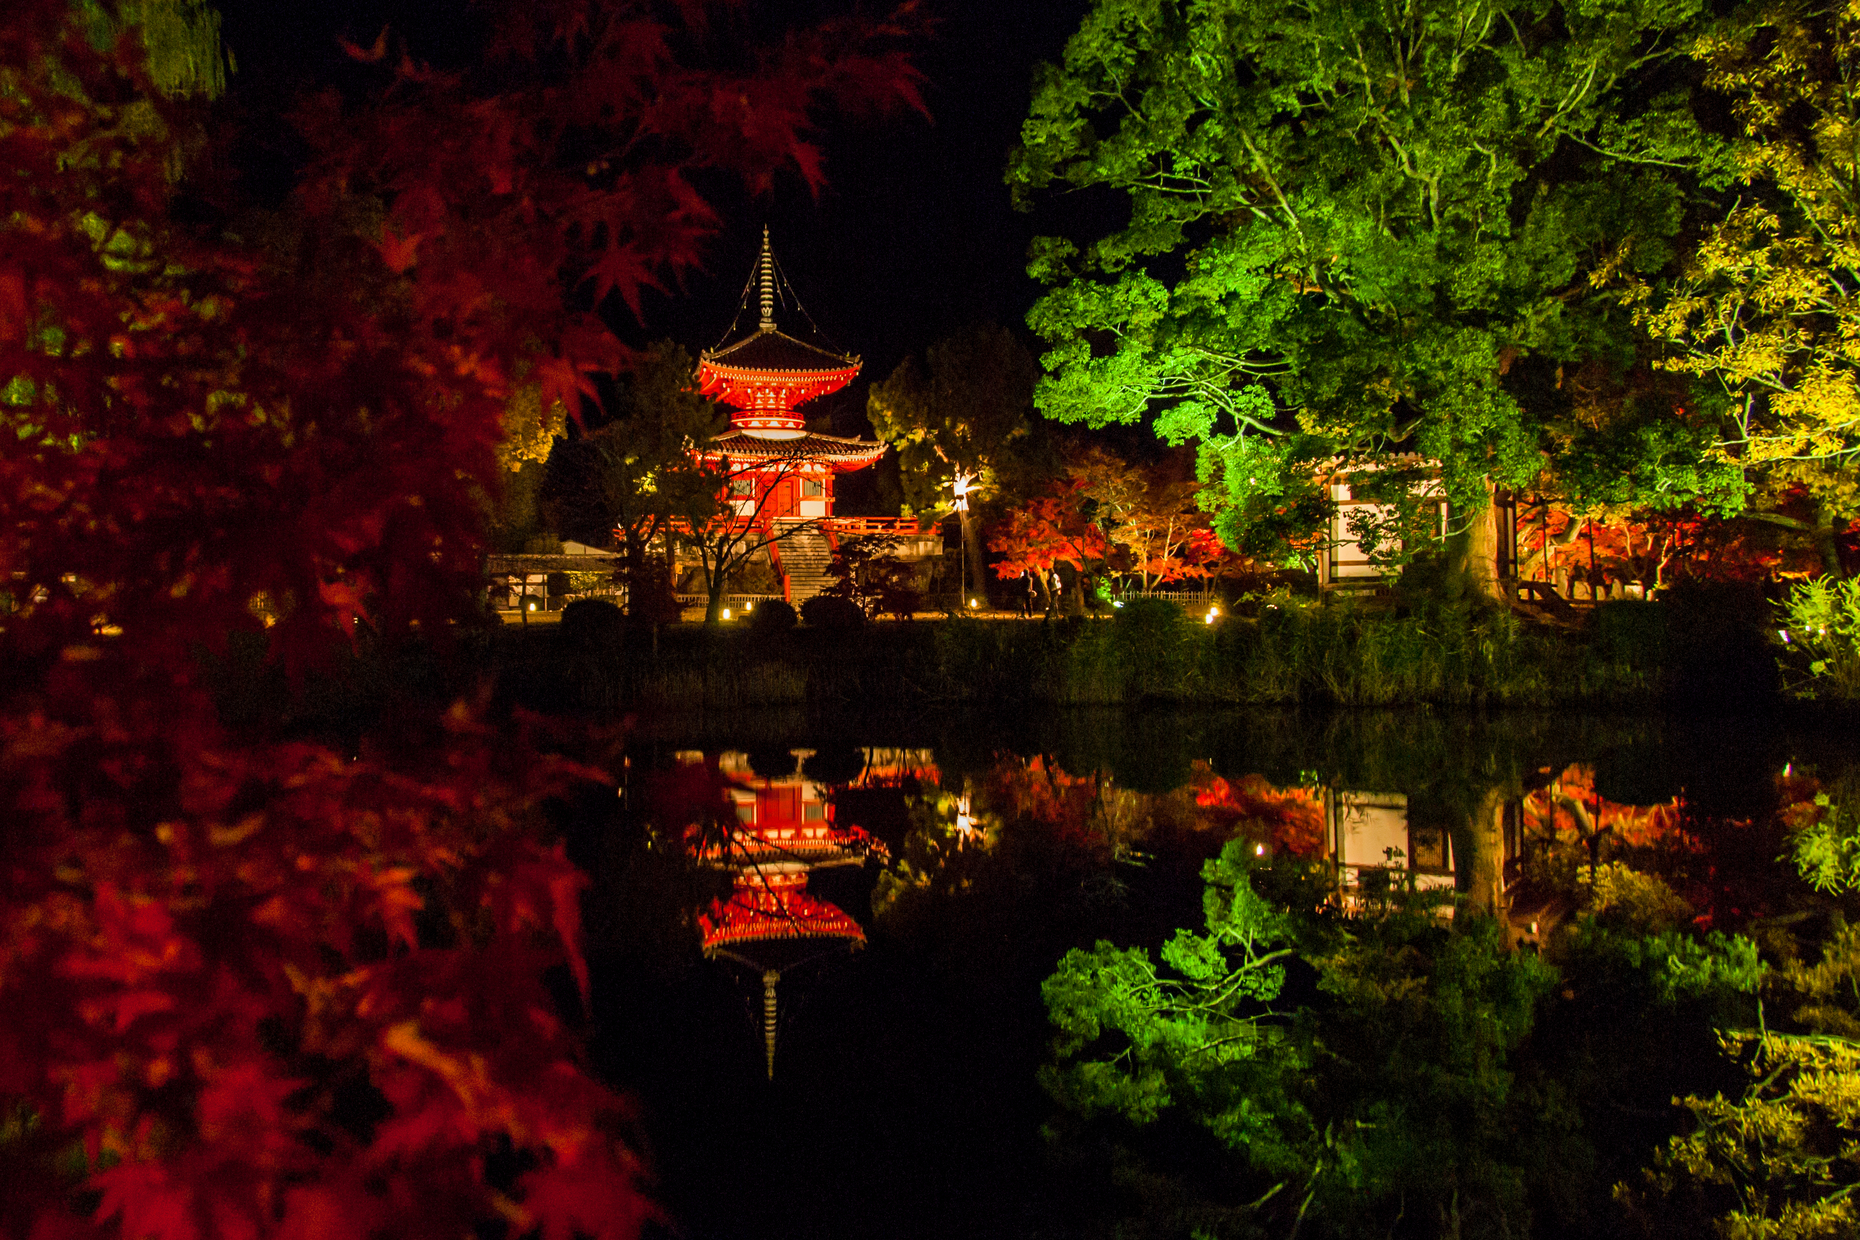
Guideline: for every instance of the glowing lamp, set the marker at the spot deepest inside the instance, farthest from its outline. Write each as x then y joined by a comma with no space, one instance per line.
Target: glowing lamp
726,613
965,823
973,604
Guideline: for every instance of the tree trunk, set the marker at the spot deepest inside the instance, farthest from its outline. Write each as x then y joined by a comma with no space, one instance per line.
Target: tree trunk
976,585
1474,550
714,584
1072,587
1821,530
1825,544
1479,853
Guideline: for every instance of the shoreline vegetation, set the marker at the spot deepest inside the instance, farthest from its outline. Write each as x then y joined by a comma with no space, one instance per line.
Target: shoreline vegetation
1629,655
1711,655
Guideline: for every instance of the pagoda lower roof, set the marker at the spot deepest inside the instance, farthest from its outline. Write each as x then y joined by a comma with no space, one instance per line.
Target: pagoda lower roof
831,450
814,843
765,905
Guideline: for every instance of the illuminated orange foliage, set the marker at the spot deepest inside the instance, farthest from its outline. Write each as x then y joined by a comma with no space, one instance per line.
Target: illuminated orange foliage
1040,790
1597,556
1047,530
1569,805
1287,819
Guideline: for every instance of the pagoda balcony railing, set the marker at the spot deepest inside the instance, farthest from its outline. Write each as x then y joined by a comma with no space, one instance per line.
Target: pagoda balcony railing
902,527
737,524
843,527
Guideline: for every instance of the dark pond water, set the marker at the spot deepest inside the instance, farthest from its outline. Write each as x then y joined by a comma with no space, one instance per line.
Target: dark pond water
819,944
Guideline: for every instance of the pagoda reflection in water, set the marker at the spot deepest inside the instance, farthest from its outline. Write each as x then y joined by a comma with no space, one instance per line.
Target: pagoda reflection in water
781,830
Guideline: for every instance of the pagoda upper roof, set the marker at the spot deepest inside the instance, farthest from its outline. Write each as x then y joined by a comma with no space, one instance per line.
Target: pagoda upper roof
831,450
772,351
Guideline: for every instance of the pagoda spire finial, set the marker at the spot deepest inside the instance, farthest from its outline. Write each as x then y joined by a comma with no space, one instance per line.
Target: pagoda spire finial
766,269
769,978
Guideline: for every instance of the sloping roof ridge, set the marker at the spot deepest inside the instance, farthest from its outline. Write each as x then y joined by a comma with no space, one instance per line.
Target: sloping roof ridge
852,439
718,355
810,436
802,446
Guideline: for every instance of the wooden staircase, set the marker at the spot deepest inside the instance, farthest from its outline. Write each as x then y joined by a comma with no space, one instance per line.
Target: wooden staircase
804,558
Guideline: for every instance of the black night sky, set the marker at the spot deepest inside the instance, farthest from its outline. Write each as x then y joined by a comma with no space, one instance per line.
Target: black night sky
912,237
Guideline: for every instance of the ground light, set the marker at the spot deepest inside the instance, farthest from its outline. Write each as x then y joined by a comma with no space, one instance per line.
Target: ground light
973,604
1212,613
726,613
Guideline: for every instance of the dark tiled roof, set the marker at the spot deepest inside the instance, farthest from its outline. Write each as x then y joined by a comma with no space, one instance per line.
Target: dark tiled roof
808,447
773,350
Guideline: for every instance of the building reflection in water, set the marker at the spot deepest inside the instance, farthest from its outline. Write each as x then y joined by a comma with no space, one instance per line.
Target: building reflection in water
772,823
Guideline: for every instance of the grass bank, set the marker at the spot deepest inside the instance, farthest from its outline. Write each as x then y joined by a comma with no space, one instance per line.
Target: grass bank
1628,655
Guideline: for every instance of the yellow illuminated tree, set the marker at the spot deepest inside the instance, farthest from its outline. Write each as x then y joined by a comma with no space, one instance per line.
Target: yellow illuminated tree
530,431
1770,308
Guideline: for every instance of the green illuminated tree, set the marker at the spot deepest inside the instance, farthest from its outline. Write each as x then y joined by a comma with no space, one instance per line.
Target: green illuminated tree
1390,1097
952,418
1769,309
1357,231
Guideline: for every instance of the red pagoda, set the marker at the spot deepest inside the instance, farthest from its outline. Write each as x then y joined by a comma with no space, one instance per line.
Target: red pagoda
781,474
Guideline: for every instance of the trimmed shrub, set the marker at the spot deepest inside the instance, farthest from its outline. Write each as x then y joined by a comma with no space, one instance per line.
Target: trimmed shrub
899,599
1631,631
773,763
823,611
1719,638
772,615
592,623
834,764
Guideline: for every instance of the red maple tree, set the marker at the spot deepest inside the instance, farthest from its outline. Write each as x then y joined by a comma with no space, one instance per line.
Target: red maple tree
1049,529
258,985
1611,552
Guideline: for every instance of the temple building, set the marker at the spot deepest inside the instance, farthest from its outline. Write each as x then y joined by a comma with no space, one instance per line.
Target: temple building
781,474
